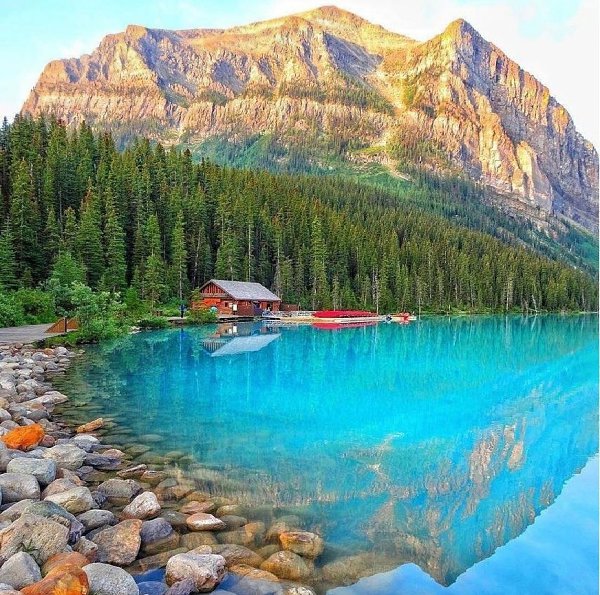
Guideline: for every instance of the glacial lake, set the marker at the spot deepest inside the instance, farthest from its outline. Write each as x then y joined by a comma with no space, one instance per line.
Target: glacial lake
425,446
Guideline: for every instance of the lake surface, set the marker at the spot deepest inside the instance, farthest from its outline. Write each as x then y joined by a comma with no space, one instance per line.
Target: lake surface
432,443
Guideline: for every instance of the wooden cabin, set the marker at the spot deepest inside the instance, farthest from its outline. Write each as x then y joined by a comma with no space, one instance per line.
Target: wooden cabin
237,298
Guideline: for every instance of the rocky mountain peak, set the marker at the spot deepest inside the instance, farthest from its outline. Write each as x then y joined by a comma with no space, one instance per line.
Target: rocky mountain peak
328,78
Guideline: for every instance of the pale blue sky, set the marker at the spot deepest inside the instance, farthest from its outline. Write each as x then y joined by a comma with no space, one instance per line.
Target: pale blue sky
556,40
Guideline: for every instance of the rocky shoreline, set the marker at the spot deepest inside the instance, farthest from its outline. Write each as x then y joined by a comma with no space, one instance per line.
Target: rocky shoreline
79,517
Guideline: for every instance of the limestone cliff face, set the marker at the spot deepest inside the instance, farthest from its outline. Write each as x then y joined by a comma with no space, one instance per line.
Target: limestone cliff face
329,75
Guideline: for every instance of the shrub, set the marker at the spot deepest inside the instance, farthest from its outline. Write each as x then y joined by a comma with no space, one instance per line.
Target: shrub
38,306
100,314
11,310
153,322
202,316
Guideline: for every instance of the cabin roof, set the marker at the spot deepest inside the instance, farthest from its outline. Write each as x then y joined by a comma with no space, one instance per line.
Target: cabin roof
244,290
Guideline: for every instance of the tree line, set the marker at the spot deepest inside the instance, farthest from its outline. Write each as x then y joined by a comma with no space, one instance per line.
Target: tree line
153,223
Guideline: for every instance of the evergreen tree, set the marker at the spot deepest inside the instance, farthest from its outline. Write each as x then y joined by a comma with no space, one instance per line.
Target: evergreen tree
178,270
88,241
114,277
8,278
24,220
154,266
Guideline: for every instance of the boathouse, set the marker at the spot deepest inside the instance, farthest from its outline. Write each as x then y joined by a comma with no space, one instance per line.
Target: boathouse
237,298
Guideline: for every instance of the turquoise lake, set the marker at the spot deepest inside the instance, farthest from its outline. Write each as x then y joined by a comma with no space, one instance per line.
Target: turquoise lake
433,443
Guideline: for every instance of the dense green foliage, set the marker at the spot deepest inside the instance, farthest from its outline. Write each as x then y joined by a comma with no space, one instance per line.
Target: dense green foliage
152,224
404,181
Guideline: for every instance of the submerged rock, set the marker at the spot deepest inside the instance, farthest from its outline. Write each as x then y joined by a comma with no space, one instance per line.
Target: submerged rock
144,506
304,543
288,565
202,521
206,570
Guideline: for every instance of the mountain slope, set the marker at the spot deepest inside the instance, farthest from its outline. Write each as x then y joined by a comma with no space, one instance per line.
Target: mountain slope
327,84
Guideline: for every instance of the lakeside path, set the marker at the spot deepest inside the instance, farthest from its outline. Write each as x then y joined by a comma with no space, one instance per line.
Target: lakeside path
25,334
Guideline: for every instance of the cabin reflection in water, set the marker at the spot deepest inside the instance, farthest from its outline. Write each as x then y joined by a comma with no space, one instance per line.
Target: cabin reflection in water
233,339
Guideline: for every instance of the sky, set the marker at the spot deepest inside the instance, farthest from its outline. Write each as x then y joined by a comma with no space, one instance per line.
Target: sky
555,40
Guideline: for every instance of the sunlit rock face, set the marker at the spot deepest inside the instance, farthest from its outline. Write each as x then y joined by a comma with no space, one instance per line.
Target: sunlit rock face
329,78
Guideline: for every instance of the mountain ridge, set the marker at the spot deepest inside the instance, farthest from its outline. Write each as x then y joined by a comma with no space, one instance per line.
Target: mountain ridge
333,83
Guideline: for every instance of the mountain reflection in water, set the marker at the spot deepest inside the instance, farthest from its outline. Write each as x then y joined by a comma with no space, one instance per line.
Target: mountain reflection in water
433,443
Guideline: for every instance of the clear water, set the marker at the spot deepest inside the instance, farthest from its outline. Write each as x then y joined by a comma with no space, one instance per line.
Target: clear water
433,443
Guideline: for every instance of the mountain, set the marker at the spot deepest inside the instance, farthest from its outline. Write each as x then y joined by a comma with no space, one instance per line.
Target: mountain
327,90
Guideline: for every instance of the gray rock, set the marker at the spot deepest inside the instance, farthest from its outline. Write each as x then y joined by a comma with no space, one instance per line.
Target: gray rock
155,530
57,513
92,519
44,470
105,579
47,537
102,462
124,489
144,506
19,486
58,486
75,500
20,570
67,456
206,570
87,548
119,544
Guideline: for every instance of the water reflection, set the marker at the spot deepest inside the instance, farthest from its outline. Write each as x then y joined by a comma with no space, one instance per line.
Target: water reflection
432,443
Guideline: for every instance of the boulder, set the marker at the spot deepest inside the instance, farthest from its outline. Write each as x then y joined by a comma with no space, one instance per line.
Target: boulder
206,570
67,456
87,548
194,506
119,544
110,580
92,519
304,543
144,506
57,486
233,521
288,565
76,500
20,570
253,574
191,541
24,438
43,470
237,554
121,489
91,426
202,521
47,537
70,581
64,559
19,486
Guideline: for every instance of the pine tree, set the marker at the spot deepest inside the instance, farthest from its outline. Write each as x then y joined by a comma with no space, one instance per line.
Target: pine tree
89,238
114,277
178,271
8,278
69,237
154,266
24,220
51,236
318,275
